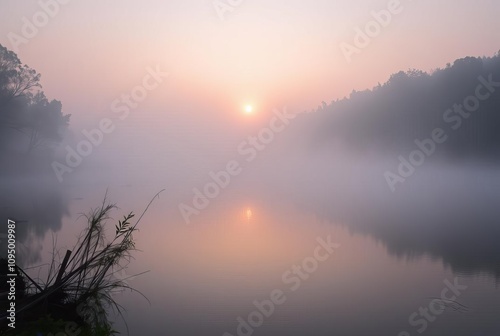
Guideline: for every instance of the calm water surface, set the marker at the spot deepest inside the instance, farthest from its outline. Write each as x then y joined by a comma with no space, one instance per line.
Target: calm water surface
204,276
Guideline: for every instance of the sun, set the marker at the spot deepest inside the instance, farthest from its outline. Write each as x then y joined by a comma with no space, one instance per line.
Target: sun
248,109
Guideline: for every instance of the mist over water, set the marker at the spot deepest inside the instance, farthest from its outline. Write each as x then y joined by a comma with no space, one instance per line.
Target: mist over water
439,224
347,219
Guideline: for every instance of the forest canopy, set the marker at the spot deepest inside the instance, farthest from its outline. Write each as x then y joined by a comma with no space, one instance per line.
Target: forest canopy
28,120
411,104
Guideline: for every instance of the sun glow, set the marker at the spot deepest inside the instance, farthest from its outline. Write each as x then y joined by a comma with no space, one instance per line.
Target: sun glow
248,109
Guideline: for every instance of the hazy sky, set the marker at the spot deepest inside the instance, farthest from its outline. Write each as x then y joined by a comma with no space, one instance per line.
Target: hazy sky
266,52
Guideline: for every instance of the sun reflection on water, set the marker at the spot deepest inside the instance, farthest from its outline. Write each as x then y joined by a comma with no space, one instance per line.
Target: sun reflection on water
249,214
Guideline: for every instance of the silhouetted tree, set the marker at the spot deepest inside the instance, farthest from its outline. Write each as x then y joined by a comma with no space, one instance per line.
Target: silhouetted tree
409,106
24,107
16,79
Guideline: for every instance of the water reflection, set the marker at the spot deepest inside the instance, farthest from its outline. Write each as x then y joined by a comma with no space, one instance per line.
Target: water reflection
205,276
450,214
249,214
38,205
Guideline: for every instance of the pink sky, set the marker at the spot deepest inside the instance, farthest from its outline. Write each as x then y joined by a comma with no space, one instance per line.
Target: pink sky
266,53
